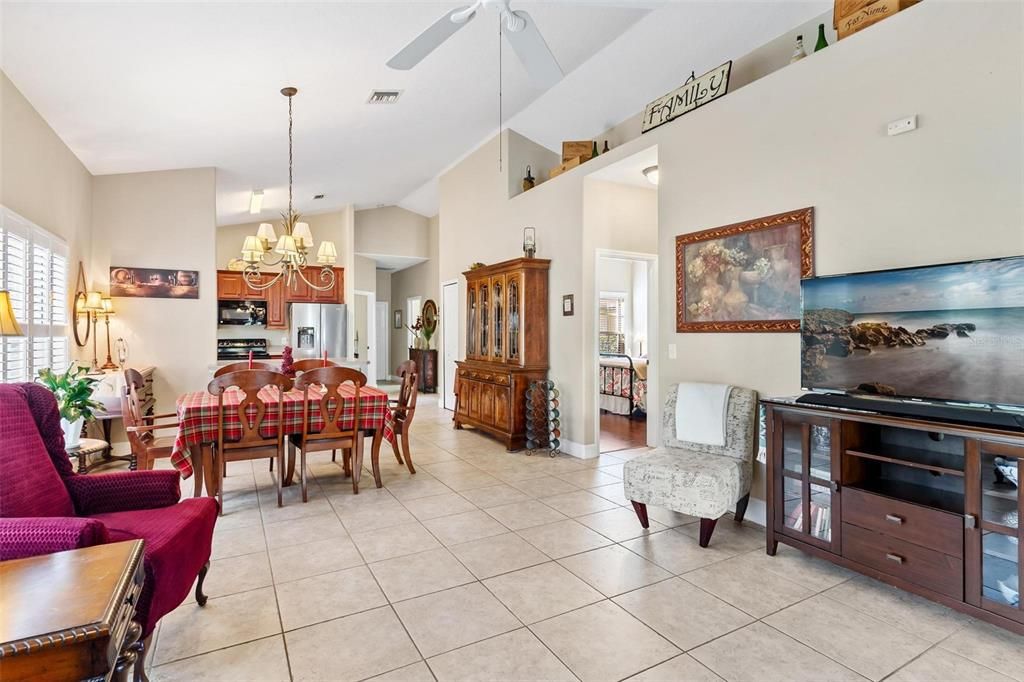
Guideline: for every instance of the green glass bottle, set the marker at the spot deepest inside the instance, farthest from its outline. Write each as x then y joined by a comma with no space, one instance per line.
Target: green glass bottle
822,43
593,151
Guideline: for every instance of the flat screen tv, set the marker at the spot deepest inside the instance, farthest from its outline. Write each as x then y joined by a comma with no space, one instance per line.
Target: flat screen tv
945,333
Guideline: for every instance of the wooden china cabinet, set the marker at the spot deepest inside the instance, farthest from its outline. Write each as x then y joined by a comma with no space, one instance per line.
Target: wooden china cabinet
927,505
506,346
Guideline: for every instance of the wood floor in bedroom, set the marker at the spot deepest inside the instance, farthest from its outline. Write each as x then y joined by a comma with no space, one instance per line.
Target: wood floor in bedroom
622,433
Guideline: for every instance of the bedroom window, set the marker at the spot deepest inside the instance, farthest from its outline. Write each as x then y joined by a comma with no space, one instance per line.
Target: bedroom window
34,269
611,323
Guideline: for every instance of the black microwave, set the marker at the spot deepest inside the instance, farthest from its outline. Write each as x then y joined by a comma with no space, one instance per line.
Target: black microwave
250,313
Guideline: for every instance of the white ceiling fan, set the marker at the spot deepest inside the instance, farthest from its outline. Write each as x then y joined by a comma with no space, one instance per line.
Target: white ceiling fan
519,29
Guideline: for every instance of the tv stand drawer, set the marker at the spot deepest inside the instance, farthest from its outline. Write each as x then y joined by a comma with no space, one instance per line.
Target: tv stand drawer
931,528
925,567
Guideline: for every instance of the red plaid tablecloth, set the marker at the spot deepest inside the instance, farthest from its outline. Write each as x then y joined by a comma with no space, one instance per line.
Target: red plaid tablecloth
197,417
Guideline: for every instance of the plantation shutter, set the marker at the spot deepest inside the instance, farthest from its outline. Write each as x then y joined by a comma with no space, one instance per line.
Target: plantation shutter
611,311
34,269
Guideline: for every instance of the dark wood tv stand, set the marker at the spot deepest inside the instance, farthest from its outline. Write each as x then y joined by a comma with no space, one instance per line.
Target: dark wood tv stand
925,505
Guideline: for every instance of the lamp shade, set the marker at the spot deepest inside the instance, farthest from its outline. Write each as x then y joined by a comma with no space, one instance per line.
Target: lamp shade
302,234
266,232
108,305
93,301
286,245
327,254
8,323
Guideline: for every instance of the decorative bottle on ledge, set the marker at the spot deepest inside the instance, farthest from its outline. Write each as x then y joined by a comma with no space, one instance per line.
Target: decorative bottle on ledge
822,43
799,52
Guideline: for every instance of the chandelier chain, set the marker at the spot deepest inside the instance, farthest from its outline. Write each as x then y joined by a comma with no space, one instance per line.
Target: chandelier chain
289,157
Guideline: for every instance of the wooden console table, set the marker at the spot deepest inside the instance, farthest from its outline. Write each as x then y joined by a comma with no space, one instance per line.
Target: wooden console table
68,615
932,507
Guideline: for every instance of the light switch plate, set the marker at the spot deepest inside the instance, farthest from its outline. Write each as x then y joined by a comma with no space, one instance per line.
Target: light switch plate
902,125
672,354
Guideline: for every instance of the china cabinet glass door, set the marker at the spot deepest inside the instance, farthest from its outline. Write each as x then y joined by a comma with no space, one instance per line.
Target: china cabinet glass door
484,321
806,478
471,321
513,295
1001,553
498,333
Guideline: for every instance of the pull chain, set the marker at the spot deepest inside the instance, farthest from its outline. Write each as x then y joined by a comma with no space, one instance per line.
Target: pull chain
500,118
289,164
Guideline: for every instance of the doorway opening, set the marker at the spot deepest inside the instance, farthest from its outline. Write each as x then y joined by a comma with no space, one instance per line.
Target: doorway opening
623,329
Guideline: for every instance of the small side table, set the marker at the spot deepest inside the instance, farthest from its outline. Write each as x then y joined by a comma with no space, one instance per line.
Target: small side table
95,446
69,615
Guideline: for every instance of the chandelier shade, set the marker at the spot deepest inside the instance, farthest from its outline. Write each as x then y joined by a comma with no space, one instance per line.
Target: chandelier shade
290,249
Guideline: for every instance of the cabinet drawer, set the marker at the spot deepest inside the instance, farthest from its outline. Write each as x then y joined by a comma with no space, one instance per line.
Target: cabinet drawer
931,528
925,567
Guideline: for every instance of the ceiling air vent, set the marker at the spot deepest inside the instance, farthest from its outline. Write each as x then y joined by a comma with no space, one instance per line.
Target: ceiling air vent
384,96
318,196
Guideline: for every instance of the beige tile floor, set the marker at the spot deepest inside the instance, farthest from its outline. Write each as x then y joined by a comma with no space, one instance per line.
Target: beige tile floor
494,566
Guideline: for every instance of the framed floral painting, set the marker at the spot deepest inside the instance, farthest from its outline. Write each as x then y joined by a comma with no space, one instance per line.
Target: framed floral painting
744,277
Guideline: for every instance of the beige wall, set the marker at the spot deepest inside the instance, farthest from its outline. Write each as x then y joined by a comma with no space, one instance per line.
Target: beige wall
809,134
41,180
391,231
419,280
164,219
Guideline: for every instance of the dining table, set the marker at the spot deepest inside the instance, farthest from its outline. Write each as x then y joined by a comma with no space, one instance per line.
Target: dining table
192,452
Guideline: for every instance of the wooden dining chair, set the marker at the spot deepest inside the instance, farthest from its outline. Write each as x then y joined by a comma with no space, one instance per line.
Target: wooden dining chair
330,404
244,365
252,444
311,363
403,409
146,446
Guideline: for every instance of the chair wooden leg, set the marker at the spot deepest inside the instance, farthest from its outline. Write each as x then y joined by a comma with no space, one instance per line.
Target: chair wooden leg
302,471
280,473
197,474
200,597
220,482
395,449
641,513
374,460
741,508
271,464
346,459
357,464
707,527
407,451
142,653
334,454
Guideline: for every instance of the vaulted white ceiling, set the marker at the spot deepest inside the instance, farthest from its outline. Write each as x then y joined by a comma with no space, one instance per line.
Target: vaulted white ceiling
150,85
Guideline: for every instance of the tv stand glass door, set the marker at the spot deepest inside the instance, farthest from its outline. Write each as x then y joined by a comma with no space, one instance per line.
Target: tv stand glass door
1002,549
808,483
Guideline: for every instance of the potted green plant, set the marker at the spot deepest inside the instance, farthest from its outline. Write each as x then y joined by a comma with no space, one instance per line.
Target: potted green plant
73,390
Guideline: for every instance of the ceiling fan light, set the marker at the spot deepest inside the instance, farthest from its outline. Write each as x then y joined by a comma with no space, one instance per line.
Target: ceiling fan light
256,201
651,173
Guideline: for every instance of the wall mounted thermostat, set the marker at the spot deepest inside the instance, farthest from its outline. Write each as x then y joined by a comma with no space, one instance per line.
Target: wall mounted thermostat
902,125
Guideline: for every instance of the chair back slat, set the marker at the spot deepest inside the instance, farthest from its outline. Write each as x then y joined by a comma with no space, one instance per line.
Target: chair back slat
311,363
132,408
408,392
251,409
239,366
129,413
331,403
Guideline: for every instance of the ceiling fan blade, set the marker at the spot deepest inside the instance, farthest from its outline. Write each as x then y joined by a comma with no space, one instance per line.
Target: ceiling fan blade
428,41
533,52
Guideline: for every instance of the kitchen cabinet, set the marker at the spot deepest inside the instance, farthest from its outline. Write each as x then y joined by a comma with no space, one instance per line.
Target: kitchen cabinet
231,286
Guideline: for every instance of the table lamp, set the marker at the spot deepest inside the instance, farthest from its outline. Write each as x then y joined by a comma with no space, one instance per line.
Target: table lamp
93,307
108,310
8,322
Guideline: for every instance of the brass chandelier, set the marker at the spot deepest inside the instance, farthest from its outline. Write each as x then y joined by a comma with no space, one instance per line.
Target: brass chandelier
291,249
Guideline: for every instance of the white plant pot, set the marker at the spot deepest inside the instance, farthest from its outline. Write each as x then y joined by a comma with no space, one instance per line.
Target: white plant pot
72,432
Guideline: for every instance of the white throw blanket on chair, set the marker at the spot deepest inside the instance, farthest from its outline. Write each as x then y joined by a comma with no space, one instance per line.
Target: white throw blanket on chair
701,413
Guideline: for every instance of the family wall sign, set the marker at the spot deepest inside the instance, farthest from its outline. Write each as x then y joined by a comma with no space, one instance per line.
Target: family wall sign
694,93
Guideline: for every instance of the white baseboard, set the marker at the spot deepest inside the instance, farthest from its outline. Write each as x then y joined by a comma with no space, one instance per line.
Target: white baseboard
580,450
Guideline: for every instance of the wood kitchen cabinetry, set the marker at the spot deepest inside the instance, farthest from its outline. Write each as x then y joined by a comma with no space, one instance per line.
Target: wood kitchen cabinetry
231,286
506,346
929,506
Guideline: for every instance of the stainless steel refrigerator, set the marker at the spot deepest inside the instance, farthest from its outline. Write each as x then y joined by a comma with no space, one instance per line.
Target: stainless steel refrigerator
317,328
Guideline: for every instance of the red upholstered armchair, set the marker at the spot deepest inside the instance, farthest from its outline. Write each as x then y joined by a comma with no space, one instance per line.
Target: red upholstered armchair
45,507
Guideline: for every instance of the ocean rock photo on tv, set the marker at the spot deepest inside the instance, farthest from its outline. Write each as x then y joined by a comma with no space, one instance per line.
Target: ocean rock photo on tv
949,332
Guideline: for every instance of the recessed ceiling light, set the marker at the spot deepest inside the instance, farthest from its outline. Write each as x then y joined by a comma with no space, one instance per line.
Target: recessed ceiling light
384,96
256,201
651,173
